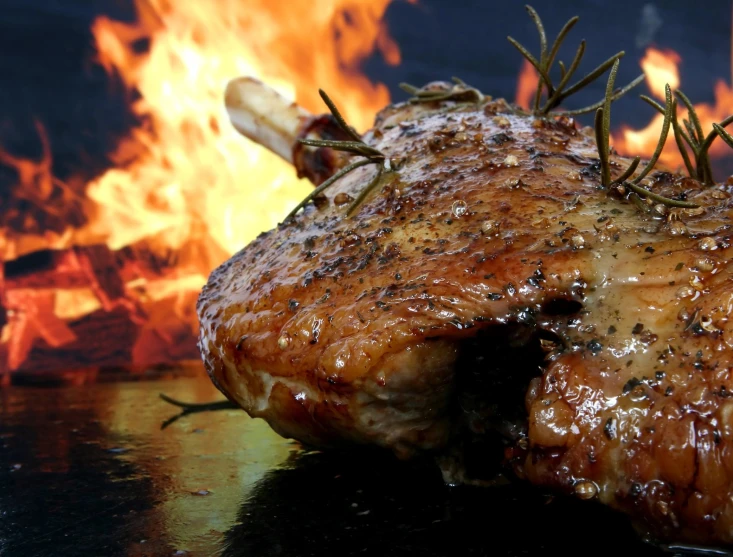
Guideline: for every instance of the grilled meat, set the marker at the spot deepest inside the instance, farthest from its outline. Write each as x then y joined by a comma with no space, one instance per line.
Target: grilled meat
491,293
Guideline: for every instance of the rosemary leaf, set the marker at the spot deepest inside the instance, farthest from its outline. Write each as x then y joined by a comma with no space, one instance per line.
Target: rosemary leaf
365,191
724,135
617,95
662,138
660,198
316,192
537,97
692,144
692,134
653,103
606,125
592,76
541,30
601,144
357,148
411,89
543,56
712,135
704,157
679,139
532,60
337,115
706,167
629,171
636,200
558,42
692,115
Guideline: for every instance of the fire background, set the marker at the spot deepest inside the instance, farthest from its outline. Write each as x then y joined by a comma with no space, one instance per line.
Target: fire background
122,186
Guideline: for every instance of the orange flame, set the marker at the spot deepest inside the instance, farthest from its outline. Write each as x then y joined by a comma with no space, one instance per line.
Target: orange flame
660,68
196,172
197,187
185,175
526,85
185,183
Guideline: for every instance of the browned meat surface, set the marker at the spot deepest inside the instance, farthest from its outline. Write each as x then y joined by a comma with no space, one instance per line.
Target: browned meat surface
491,293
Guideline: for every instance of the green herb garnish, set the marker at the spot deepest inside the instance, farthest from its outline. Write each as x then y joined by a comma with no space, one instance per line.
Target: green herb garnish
355,147
603,129
694,139
459,92
555,95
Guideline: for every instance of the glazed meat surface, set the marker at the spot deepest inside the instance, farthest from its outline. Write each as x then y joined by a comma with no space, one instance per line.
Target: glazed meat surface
490,289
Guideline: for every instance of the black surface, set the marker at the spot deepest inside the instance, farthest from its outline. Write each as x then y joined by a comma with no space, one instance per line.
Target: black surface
88,471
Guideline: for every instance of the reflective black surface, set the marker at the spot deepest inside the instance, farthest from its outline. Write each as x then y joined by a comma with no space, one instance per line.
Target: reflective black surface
88,471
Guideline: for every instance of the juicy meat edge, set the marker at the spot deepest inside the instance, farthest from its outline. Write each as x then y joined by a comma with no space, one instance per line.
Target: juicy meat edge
341,329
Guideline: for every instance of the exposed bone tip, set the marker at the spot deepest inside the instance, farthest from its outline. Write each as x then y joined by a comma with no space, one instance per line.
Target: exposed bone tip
263,115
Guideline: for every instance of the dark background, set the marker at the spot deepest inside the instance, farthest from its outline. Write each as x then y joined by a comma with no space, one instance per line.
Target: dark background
47,69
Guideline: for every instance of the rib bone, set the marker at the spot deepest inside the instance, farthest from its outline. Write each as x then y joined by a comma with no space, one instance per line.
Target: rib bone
263,115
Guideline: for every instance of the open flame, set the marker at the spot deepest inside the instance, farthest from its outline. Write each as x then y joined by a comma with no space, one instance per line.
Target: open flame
186,165
662,67
526,85
197,177
186,191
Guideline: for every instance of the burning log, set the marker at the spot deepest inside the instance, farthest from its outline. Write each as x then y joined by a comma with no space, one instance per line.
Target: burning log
91,307
4,375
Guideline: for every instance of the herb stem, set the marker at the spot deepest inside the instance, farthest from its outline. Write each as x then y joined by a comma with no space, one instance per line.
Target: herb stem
660,198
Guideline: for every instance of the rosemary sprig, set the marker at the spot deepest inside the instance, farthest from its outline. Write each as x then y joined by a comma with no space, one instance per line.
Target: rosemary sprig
704,168
555,95
694,139
602,126
354,147
193,408
460,91
677,132
724,135
602,131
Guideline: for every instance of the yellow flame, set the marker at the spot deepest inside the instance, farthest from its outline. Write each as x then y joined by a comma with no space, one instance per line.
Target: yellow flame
196,180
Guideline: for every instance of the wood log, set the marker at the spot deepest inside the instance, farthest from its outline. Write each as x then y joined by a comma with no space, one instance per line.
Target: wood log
102,338
79,266
120,327
31,318
4,368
